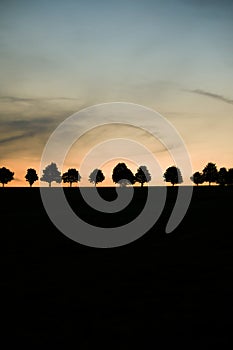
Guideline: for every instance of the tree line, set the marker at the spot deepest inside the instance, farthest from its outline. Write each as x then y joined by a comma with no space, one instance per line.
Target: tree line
211,174
122,175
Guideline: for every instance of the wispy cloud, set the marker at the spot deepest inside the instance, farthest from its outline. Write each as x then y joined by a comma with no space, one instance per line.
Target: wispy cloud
211,94
16,107
13,99
16,137
36,125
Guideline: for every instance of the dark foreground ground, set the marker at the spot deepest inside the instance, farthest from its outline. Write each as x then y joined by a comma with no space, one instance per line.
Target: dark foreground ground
157,292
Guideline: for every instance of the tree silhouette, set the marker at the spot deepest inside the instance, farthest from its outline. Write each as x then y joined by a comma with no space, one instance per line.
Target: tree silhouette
197,178
72,175
50,174
142,175
31,176
123,175
173,175
96,176
222,177
5,176
230,176
210,173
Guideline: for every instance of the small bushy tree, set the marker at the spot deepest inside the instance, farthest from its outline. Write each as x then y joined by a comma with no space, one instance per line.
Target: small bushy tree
230,176
197,178
123,175
5,176
210,173
50,174
71,176
96,176
31,176
142,175
222,177
173,175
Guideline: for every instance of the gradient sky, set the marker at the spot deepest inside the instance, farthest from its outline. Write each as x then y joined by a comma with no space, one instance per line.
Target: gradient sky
58,57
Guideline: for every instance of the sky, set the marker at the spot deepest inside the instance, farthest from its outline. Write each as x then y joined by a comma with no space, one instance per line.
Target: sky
58,57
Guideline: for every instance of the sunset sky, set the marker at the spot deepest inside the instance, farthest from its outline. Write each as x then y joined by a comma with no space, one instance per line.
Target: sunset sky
58,57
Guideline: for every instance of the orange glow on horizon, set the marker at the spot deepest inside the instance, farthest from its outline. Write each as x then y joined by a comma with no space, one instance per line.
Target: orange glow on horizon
20,166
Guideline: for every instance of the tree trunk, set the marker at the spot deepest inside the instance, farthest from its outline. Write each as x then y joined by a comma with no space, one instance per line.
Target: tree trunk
49,184
141,184
70,184
3,184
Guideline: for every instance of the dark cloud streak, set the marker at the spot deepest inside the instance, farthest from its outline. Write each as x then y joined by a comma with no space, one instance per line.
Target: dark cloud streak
27,123
213,95
16,137
14,99
21,130
23,137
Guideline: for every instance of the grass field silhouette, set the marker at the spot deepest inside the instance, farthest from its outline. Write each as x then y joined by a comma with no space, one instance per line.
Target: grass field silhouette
162,289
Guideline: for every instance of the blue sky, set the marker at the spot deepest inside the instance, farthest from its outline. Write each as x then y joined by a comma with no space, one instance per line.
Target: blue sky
60,56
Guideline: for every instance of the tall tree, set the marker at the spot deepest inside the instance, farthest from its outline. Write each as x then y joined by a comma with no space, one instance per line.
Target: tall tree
72,175
123,175
222,176
142,175
31,176
5,176
197,178
96,176
51,173
173,175
210,173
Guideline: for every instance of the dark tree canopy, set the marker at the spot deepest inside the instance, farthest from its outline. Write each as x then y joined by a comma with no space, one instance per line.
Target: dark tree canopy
197,178
230,176
142,175
96,176
222,177
50,174
173,175
6,176
72,175
123,175
210,173
31,176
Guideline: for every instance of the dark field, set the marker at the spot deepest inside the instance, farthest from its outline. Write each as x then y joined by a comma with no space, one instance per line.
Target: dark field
157,292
